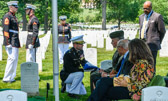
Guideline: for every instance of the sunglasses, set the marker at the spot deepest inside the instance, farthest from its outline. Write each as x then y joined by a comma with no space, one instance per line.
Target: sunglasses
15,6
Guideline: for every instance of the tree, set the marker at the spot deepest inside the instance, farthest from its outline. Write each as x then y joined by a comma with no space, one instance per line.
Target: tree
160,6
68,7
3,10
21,10
104,2
43,11
122,10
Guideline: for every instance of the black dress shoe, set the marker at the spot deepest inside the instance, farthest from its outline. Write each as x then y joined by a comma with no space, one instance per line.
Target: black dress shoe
5,81
12,81
9,81
73,96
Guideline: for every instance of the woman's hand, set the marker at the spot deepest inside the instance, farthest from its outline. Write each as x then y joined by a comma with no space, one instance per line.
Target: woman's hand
122,83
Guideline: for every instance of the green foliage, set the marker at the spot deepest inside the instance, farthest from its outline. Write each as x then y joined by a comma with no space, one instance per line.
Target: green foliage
90,15
120,10
68,7
3,10
160,6
73,18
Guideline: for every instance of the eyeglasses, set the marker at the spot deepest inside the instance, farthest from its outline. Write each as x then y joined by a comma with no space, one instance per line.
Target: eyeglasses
146,8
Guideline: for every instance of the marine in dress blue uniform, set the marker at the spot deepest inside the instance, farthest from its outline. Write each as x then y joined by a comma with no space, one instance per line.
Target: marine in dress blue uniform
64,36
73,68
32,41
11,41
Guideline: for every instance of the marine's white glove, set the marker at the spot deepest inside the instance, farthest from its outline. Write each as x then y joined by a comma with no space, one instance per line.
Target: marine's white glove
30,46
9,46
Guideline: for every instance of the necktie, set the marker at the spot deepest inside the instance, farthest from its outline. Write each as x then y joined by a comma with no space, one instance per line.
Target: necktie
143,28
122,62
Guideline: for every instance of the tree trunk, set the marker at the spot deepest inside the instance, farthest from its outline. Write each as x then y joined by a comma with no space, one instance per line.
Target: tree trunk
24,19
119,23
104,14
46,19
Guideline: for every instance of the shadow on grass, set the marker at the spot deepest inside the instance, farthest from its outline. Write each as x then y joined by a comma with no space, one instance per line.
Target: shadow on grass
42,77
18,78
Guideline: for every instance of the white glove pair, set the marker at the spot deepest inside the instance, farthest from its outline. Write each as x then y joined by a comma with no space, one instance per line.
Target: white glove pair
9,46
30,46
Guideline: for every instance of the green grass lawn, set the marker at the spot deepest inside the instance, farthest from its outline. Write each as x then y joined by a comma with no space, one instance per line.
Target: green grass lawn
47,77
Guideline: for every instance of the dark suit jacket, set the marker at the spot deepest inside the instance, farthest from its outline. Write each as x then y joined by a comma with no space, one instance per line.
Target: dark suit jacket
126,66
155,30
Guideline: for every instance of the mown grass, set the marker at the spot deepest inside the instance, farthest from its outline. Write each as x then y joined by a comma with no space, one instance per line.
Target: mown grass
47,74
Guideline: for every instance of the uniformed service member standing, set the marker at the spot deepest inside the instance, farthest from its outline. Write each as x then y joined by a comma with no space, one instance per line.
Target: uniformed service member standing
72,73
64,33
11,41
32,38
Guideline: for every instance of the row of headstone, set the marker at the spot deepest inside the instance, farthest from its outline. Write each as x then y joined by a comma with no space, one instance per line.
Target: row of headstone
40,51
23,36
96,37
125,26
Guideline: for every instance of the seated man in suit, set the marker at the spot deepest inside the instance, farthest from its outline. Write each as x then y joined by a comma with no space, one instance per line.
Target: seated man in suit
96,75
123,67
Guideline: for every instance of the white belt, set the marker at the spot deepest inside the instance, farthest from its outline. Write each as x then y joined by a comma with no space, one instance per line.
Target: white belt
13,31
30,33
63,35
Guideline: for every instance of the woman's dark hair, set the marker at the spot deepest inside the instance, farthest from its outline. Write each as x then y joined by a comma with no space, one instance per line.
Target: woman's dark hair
138,50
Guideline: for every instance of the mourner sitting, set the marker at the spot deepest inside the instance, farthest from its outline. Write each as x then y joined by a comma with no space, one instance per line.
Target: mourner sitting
126,87
96,75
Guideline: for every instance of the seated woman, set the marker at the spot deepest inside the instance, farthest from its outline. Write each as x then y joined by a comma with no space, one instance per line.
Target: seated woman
140,75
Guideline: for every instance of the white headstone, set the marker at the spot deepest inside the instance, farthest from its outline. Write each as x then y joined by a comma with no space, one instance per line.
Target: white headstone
164,49
39,58
109,46
155,93
106,64
84,46
93,39
29,78
100,40
13,95
91,55
23,36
